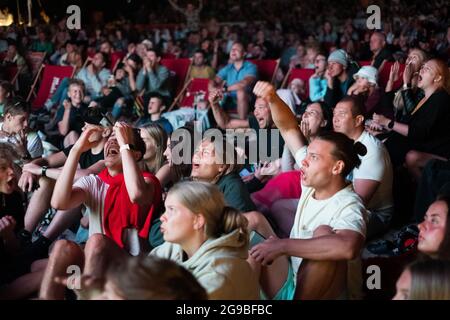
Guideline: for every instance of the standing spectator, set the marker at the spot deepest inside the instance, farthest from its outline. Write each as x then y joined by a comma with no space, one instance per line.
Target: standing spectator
191,13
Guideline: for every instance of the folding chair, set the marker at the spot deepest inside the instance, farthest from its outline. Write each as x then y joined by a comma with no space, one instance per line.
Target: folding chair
12,72
115,59
51,79
35,60
179,71
267,69
298,73
194,87
383,75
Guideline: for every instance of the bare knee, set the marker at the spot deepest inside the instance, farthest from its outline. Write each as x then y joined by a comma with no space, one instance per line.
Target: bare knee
97,242
64,248
412,158
254,219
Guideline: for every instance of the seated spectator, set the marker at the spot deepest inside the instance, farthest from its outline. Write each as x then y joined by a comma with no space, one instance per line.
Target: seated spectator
425,136
209,239
62,59
70,115
435,180
156,105
199,68
373,179
424,280
261,119
410,95
42,44
153,77
295,95
144,278
317,82
11,221
13,56
235,80
44,172
95,76
211,163
155,139
339,77
379,50
15,130
298,60
366,88
121,200
6,90
329,226
434,235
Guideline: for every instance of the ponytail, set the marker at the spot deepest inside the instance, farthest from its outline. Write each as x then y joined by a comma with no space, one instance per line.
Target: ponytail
232,220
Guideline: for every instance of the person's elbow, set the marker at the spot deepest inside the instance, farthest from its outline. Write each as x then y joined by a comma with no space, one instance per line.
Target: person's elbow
141,196
58,203
352,248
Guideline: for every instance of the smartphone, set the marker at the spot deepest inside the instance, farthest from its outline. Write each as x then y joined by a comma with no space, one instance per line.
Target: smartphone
256,238
244,172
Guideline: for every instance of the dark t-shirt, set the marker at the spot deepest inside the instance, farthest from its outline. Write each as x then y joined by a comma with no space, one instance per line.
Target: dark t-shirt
271,148
76,117
384,54
11,205
235,192
87,158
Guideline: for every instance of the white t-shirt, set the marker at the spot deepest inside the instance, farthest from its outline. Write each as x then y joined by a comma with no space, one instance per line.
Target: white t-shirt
343,211
95,190
34,143
375,165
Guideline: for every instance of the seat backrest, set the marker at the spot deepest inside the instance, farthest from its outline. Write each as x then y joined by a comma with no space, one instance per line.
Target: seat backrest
11,72
266,68
301,73
364,63
35,61
383,75
196,85
115,58
179,69
51,79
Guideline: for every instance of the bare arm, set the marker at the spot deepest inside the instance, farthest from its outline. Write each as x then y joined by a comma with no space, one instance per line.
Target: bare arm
63,125
282,116
139,190
221,117
365,188
65,196
247,81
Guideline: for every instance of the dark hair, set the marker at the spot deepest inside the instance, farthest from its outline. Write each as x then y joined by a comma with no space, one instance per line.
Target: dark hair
345,149
356,104
77,82
6,86
200,51
105,58
156,51
184,169
150,95
135,57
444,248
327,115
154,278
16,106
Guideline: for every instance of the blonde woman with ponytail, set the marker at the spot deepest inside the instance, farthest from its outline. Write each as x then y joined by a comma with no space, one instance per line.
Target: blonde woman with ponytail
209,239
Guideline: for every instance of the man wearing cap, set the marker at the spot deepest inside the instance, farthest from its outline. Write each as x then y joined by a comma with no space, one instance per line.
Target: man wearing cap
339,77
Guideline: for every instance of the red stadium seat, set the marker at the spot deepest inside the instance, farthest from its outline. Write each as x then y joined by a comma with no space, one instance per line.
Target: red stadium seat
179,71
383,75
35,60
51,79
115,58
267,69
298,73
195,86
364,63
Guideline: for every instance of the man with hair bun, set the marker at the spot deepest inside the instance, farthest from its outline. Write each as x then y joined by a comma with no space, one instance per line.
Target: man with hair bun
330,223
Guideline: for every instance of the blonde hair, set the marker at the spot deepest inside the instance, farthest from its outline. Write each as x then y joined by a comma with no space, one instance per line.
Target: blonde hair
430,280
159,137
206,199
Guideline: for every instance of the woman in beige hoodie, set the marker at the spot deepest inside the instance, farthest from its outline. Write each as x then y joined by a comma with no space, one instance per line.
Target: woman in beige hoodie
209,239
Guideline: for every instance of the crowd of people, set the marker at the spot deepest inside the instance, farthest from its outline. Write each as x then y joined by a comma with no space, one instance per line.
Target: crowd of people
170,200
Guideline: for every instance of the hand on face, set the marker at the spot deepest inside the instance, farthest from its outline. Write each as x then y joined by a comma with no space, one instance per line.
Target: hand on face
124,133
86,141
264,90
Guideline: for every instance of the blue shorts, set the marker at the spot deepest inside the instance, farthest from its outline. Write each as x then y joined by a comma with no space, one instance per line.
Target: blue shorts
287,291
